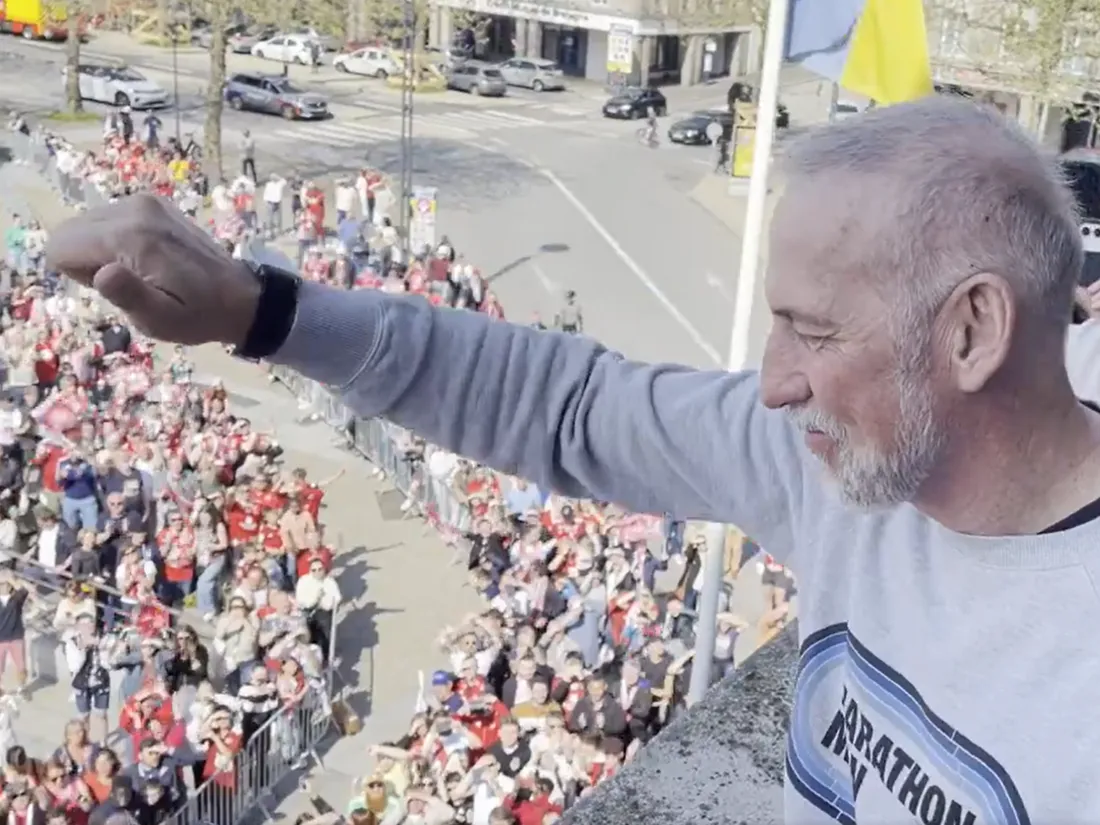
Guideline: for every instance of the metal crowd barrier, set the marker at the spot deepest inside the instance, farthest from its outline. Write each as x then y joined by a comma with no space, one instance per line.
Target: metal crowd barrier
279,747
378,441
74,190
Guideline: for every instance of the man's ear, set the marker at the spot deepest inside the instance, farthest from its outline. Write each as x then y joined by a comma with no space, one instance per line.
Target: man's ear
978,320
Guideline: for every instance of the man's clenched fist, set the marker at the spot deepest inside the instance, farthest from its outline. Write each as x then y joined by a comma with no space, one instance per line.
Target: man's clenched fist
169,277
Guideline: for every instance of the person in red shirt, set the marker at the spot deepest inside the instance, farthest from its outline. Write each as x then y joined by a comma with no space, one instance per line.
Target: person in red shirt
531,802
311,495
20,304
139,709
176,543
47,363
313,551
314,203
222,746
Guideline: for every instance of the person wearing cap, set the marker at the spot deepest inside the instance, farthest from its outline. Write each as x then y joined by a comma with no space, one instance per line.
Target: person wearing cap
443,694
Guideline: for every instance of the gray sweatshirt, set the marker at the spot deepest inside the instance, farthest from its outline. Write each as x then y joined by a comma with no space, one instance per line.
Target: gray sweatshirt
944,678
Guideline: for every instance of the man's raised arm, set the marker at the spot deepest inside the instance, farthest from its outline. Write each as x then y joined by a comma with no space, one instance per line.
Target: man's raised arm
558,409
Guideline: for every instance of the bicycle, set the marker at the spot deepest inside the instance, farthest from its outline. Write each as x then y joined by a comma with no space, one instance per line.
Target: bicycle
647,137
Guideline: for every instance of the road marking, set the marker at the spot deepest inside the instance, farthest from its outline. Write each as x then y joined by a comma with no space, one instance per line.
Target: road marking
632,265
498,120
547,283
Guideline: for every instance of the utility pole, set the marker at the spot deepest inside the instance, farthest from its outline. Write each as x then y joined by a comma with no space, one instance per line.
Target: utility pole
408,91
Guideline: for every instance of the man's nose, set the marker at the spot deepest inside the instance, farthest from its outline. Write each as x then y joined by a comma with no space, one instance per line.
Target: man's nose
782,380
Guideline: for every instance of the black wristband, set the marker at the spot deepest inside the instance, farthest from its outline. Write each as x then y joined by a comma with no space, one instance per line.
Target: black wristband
275,313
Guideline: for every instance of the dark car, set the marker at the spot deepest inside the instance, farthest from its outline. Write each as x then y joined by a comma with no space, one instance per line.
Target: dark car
275,94
635,103
693,130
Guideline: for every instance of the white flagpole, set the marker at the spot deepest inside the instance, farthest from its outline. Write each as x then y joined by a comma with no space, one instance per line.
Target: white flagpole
752,237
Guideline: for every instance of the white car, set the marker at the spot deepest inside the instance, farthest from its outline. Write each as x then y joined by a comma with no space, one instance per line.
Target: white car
373,62
120,86
286,48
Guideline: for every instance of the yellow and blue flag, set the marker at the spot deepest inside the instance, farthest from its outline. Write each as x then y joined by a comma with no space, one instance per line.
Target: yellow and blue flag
876,48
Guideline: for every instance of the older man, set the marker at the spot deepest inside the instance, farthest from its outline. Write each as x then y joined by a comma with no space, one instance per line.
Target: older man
922,268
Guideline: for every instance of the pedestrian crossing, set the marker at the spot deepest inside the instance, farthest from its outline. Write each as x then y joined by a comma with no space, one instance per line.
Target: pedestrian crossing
452,125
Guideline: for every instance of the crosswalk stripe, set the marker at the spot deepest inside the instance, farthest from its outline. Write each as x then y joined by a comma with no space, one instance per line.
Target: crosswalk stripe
489,117
509,117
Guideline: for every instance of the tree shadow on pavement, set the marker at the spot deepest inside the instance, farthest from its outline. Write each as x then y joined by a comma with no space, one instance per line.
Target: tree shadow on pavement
468,175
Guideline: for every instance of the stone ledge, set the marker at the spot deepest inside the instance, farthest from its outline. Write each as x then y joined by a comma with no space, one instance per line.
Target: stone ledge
722,763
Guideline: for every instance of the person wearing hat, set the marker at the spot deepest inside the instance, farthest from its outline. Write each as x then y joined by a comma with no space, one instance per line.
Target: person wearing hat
443,694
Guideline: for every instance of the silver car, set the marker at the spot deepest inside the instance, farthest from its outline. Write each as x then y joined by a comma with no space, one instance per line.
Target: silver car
532,73
477,79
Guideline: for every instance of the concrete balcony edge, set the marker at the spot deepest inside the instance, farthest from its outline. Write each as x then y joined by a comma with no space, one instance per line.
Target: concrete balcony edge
721,763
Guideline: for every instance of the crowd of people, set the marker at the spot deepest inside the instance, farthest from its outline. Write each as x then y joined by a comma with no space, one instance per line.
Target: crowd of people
151,530
583,650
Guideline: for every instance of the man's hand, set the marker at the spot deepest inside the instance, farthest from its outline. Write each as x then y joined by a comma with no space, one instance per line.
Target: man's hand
1088,299
172,281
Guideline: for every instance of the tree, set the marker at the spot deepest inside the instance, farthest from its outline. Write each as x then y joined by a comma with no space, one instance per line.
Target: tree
212,130
1046,50
74,105
70,15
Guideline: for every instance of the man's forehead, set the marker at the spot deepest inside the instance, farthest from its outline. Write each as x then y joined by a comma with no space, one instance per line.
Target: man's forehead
819,261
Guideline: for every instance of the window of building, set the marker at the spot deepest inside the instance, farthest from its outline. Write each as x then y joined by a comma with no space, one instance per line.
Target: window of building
1075,57
952,33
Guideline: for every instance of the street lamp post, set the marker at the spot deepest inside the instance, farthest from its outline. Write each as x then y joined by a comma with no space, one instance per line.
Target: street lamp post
408,86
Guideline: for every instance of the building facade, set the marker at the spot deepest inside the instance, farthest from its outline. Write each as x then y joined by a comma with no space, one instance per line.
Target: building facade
1044,79
630,41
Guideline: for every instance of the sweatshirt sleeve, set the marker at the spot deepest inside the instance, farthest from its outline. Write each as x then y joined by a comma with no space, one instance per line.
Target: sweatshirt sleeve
559,410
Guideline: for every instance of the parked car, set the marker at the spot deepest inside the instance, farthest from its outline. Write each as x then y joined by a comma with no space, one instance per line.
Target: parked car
327,41
286,48
477,79
532,73
275,95
242,40
119,85
695,130
635,102
372,61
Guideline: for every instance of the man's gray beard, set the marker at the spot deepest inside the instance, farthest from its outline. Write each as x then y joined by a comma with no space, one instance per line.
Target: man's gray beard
869,479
